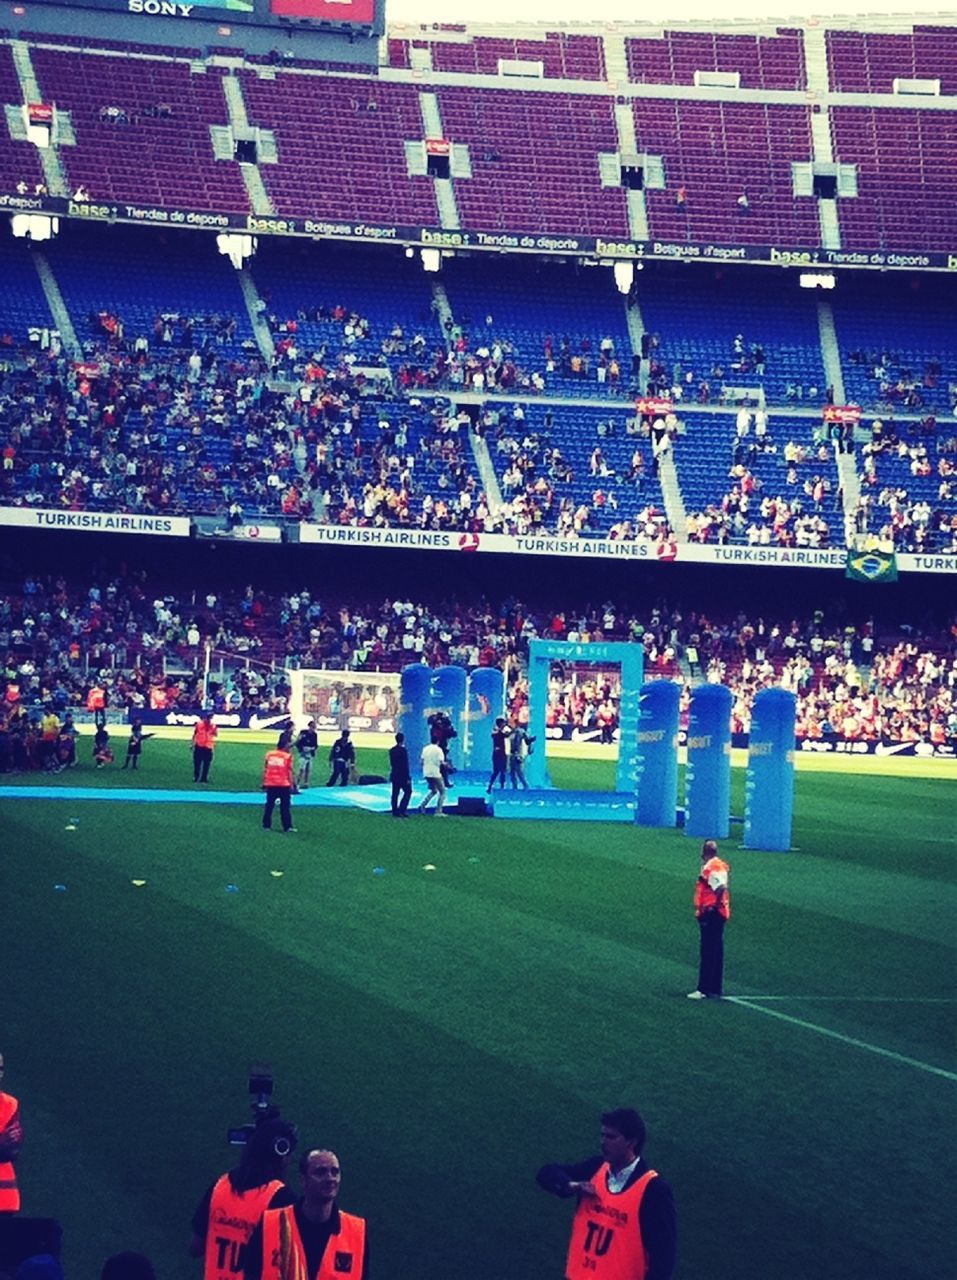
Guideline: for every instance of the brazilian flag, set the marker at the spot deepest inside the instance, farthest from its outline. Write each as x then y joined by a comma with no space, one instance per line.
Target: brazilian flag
872,566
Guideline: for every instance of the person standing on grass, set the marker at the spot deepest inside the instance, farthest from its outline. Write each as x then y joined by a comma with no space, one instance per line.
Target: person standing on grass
11,1140
313,1239
233,1206
712,907
624,1226
204,743
499,754
134,748
342,757
400,775
307,745
433,758
279,783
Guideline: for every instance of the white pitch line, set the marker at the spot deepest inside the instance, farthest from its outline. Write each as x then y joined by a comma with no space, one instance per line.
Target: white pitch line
836,1035
859,999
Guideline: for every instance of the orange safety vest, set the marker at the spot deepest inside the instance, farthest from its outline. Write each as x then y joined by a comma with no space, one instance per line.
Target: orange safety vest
204,735
95,699
278,769
606,1235
284,1257
9,1128
705,898
233,1217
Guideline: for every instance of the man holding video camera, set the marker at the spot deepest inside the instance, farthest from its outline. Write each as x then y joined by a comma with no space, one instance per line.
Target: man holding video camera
233,1206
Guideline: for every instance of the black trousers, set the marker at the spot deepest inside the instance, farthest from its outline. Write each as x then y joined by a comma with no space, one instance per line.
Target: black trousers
499,766
284,796
711,967
401,788
202,759
340,773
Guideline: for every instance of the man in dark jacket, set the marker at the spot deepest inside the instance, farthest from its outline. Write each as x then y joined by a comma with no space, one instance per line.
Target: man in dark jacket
400,776
624,1223
341,757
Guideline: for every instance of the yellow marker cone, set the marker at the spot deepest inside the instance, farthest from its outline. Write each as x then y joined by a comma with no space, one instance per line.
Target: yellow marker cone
139,883
277,874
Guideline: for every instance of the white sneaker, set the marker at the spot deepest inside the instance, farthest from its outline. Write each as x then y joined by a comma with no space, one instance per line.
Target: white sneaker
697,995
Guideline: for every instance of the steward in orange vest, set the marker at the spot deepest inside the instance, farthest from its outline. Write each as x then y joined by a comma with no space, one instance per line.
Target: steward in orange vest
314,1240
624,1224
712,907
233,1206
279,783
204,740
11,1140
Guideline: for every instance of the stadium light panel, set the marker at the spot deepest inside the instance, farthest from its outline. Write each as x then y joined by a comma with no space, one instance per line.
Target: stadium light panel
34,226
624,276
236,247
817,280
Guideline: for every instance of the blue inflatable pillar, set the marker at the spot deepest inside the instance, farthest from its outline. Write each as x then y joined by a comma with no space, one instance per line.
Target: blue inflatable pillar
708,776
769,804
658,754
413,698
486,702
447,693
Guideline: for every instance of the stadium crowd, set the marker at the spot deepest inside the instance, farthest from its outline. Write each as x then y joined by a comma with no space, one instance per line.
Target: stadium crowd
186,417
144,648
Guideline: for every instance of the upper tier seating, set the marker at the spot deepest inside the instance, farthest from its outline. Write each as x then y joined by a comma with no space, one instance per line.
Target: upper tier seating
563,56
534,161
907,177
534,155
342,148
19,161
764,62
143,157
870,61
717,151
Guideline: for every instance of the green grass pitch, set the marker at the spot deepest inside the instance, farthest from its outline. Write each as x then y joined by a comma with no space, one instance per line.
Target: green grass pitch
447,1031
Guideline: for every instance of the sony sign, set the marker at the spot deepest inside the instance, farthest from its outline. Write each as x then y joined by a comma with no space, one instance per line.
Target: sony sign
166,8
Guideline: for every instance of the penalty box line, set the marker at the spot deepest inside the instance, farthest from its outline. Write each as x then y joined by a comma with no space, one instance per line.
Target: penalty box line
903,1059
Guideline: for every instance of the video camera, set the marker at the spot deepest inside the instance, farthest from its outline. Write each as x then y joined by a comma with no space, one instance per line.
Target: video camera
260,1090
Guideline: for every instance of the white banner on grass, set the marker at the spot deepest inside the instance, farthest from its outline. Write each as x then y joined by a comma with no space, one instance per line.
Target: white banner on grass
95,521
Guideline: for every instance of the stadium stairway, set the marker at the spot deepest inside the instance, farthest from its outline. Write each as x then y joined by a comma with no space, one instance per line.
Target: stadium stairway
58,309
671,493
848,479
53,174
240,127
444,187
255,308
